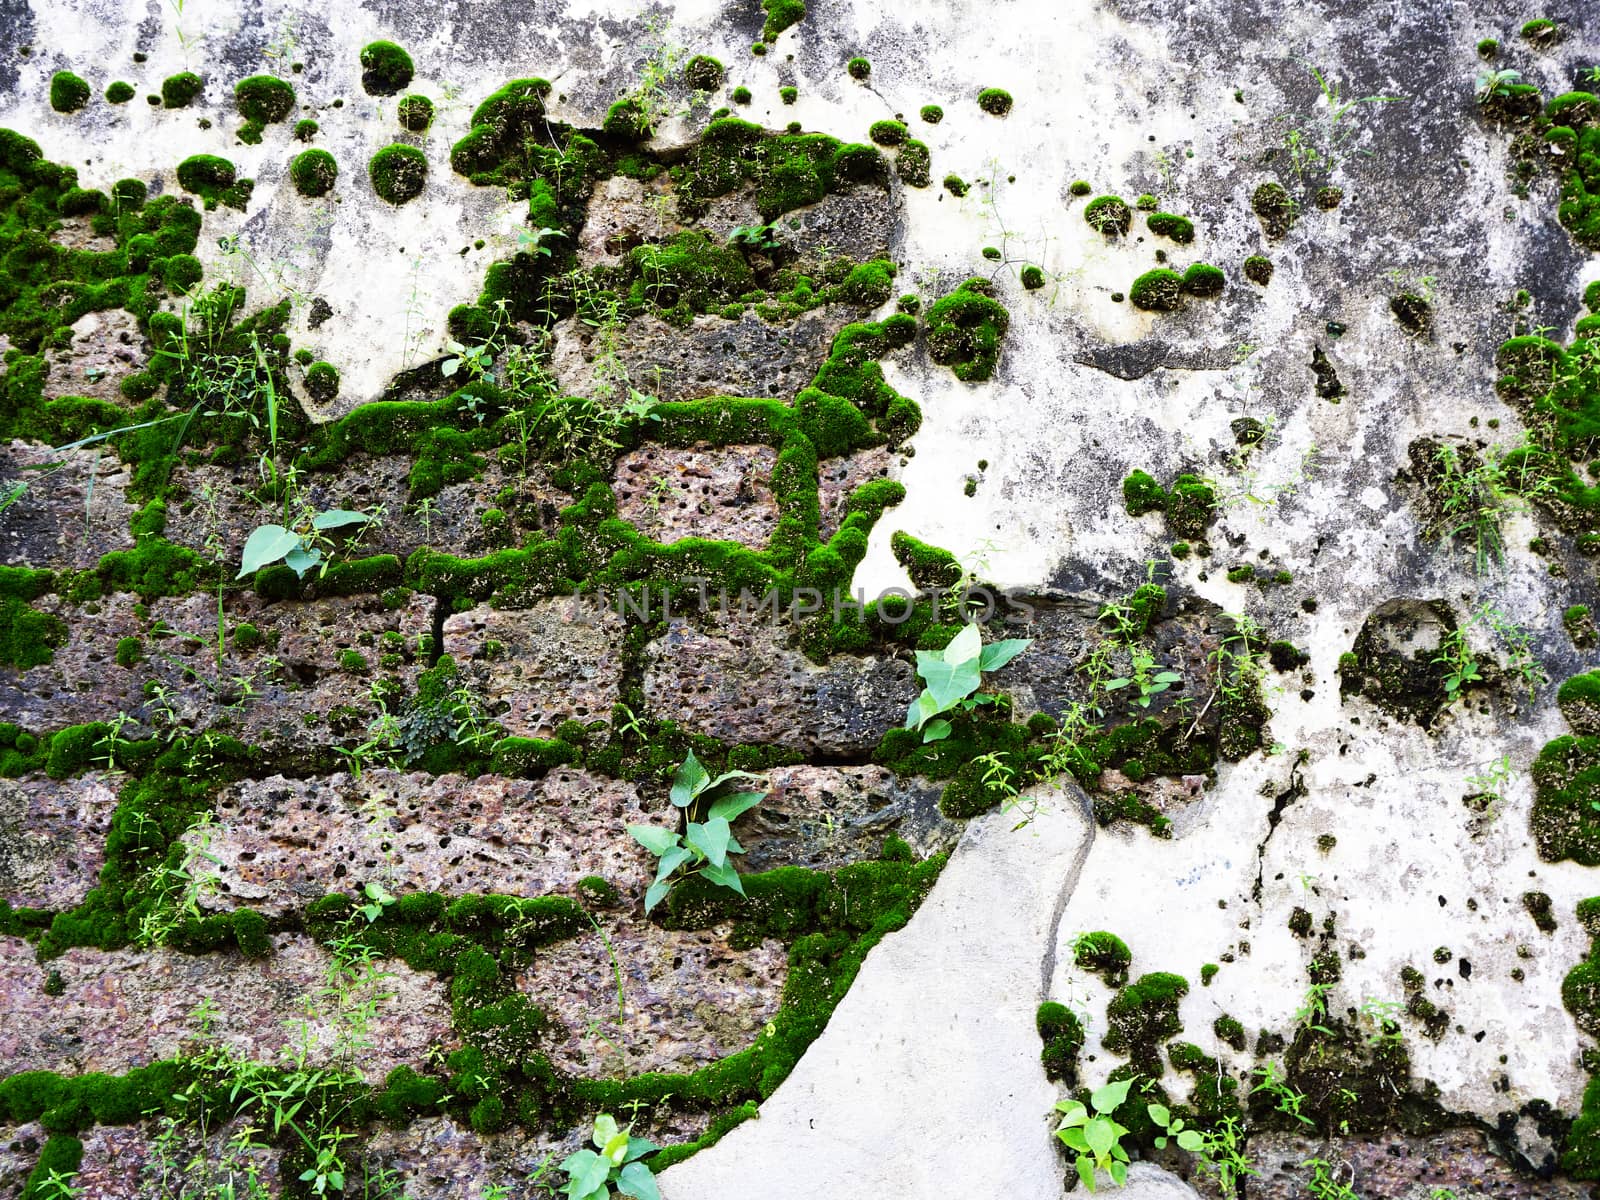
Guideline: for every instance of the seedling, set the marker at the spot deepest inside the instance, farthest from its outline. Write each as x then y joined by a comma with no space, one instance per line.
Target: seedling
951,678
704,846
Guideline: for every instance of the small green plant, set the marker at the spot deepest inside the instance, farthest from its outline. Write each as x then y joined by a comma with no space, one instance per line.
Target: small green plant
1460,664
1277,1087
951,678
301,547
704,845
1325,1184
1220,1150
615,1163
1095,1137
1494,83
1150,681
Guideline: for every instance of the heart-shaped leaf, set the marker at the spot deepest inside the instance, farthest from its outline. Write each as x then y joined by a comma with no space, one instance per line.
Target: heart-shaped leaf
712,838
605,1128
965,647
636,1180
302,558
690,780
655,894
725,876
653,838
1111,1096
935,731
998,654
338,518
265,545
732,806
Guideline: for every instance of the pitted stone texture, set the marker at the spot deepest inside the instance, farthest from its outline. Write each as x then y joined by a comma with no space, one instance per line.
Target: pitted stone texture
624,213
854,223
281,843
826,817
838,477
722,493
451,522
19,1150
714,356
106,348
263,695
52,839
688,998
123,1008
125,1162
71,514
743,683
1393,1166
557,661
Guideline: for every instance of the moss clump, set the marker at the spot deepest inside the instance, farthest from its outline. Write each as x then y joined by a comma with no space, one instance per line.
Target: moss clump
1062,1034
1329,198
1080,187
1579,700
1190,504
858,68
206,175
788,94
415,113
932,114
1275,207
1415,313
995,101
955,185
1541,33
1580,626
914,164
305,129
386,68
263,99
1143,1016
1109,216
180,90
322,381
1258,269
780,15
742,95
1103,954
888,133
1170,225
398,173
1204,280
1488,48
119,93
965,329
1032,278
703,73
28,638
68,92
1157,290
313,172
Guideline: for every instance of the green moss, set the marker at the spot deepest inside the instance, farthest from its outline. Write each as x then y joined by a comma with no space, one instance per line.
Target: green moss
1202,279
386,68
965,329
888,132
207,176
398,173
1581,1158
789,94
28,637
1541,32
1258,269
703,73
265,99
955,185
1144,1015
995,101
1033,278
1275,207
1170,225
246,637
322,382
1157,290
415,113
858,68
68,92
1579,700
180,90
1062,1034
119,93
313,172
914,164
1229,1031
742,95
780,15
1488,48
932,114
130,652
305,129
1141,494
1080,187
1109,216
1104,954
1566,809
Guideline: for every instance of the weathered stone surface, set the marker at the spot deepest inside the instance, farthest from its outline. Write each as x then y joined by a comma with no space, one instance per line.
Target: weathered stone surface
281,843
217,502
1393,1166
52,839
106,348
687,999
288,693
935,1035
829,816
120,1009
723,493
70,514
130,1162
19,1150
560,660
624,213
742,683
714,356
838,477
